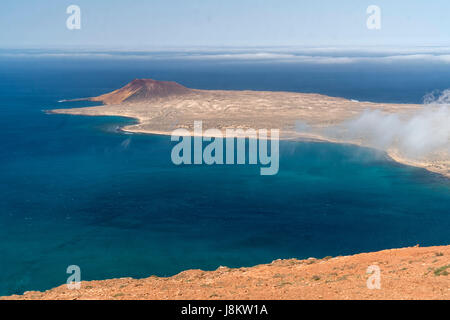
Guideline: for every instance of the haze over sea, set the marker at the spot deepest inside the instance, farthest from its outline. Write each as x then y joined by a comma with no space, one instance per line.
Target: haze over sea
75,191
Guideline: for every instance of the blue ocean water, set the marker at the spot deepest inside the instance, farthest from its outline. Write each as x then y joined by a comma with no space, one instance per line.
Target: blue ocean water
75,191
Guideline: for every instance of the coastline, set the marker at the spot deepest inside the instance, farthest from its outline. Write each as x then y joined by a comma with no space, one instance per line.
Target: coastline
406,273
392,154
441,169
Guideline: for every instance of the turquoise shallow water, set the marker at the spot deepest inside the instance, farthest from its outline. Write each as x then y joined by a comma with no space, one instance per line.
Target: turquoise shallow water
76,191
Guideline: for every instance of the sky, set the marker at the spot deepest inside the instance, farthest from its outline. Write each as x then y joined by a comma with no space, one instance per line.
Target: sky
140,24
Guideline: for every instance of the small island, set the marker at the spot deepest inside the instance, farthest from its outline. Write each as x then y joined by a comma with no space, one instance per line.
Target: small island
163,106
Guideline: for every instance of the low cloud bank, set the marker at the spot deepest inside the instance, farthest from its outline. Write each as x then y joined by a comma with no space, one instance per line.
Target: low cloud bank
427,131
311,55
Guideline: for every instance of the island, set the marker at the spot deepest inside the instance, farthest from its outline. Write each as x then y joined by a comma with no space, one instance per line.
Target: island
163,106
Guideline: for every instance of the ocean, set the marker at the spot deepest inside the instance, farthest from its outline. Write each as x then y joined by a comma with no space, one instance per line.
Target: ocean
76,191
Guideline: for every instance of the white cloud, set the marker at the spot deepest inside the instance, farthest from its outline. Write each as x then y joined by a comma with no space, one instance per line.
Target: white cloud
426,131
327,55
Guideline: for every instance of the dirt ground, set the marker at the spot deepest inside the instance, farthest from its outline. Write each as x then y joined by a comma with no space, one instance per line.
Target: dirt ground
407,273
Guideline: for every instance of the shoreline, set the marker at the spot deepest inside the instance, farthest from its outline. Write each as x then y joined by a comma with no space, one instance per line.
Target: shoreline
294,136
287,136
406,273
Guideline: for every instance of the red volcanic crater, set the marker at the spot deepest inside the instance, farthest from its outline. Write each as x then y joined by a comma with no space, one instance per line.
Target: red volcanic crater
142,90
